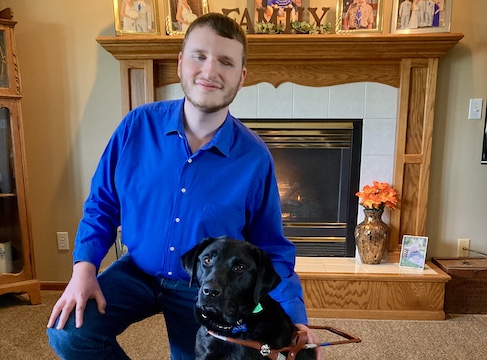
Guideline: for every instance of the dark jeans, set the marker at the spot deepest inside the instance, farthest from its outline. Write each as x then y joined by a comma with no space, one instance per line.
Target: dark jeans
131,296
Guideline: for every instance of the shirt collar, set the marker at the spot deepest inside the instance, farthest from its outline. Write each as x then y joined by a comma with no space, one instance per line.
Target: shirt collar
222,139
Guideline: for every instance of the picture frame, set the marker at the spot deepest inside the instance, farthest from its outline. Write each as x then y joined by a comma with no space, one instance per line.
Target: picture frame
136,17
413,252
425,16
180,13
347,21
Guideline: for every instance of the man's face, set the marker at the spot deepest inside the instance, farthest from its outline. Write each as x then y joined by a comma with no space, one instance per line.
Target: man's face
211,69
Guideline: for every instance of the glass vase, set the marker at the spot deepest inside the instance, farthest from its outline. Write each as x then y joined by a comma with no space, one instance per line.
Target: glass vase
372,237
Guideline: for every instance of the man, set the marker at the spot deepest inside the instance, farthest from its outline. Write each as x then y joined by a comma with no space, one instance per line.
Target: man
405,13
172,174
143,23
359,16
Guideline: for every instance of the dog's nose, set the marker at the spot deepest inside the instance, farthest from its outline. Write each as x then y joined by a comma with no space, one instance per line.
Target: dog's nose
211,291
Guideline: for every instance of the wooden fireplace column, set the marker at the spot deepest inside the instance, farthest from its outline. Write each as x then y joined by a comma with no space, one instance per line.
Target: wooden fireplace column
407,62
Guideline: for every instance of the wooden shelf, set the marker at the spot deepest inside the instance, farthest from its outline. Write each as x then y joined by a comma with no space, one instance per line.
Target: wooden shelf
311,60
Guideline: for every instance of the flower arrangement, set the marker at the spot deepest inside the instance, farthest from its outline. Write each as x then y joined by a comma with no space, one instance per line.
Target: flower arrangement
378,196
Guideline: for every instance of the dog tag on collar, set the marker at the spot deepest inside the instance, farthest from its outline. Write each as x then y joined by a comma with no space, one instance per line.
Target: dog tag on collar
258,308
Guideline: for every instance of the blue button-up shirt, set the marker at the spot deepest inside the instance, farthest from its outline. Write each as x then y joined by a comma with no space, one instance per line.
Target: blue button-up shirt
168,199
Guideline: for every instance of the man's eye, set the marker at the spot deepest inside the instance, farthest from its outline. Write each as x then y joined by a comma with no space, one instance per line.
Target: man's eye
207,261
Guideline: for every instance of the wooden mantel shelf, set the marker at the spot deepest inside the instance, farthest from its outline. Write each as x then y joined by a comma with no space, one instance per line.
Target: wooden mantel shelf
299,47
310,60
407,62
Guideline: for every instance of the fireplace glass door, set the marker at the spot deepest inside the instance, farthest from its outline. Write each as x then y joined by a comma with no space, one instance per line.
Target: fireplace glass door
317,168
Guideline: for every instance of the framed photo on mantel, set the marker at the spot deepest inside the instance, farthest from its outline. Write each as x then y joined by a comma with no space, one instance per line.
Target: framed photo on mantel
181,13
134,17
420,16
359,16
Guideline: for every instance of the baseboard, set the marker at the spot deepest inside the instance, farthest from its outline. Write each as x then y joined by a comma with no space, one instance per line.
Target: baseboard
53,285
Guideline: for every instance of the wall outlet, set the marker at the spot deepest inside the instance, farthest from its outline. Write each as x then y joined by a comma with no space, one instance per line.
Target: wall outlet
463,244
62,240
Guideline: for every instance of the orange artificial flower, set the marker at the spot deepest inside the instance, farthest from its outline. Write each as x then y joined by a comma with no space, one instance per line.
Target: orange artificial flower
378,196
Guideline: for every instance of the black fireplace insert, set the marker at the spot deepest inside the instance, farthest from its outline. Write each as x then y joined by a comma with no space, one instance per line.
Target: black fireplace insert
317,168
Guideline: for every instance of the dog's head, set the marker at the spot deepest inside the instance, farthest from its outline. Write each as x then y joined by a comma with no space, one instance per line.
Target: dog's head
232,276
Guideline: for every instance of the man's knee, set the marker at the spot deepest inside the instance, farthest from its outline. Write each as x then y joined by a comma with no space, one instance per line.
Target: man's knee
76,343
60,341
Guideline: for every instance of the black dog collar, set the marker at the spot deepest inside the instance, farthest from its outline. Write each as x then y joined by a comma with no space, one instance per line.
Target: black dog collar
240,325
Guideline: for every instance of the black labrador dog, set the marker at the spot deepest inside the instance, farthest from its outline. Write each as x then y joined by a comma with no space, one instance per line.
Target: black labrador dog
234,278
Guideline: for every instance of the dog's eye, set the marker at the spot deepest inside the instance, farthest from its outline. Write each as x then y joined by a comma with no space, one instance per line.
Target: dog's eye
239,268
207,261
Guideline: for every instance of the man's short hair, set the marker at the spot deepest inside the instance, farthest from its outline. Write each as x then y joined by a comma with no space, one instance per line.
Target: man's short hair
223,26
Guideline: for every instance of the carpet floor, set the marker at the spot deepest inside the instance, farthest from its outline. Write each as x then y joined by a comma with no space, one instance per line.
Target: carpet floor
23,336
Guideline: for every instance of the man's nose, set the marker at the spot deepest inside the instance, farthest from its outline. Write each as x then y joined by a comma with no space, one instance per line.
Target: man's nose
210,68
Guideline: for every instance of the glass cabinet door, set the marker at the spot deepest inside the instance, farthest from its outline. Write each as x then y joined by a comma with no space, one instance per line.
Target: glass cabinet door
10,234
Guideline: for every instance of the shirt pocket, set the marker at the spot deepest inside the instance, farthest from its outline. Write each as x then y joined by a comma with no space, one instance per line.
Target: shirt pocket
218,220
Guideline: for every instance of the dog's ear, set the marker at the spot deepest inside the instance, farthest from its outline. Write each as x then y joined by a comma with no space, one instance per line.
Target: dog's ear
267,277
189,259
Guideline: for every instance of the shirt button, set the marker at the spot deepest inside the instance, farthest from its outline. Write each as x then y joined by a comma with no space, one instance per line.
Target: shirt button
183,190
178,220
190,161
171,248
170,273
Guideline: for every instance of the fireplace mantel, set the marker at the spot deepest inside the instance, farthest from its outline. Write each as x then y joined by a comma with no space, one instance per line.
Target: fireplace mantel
407,62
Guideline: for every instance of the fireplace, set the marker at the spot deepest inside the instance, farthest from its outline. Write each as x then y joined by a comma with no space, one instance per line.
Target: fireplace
408,62
317,168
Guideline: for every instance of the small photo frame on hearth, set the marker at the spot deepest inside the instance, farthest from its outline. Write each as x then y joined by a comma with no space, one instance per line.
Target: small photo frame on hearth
181,13
136,17
420,16
359,16
413,252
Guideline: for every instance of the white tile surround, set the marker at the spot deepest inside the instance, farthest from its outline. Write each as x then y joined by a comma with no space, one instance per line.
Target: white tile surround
375,103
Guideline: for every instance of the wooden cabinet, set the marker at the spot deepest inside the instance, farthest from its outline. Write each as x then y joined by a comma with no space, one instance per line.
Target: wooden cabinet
17,271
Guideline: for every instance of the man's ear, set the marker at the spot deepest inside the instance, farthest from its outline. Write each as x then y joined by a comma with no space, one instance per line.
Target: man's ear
189,259
180,58
242,77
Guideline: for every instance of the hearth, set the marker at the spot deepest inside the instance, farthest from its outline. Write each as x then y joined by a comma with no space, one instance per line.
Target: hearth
317,168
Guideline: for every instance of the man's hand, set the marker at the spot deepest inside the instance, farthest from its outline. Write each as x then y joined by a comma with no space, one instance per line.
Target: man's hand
82,287
312,338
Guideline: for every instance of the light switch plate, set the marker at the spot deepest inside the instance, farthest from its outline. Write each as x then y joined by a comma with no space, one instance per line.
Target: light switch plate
475,109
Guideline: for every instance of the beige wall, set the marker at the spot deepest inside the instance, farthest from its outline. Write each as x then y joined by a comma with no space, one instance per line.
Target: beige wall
71,104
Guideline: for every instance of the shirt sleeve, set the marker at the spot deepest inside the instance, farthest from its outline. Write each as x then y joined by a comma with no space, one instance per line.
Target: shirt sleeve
265,231
101,212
